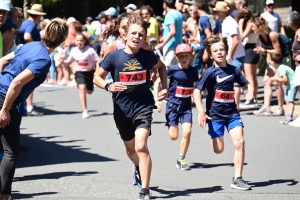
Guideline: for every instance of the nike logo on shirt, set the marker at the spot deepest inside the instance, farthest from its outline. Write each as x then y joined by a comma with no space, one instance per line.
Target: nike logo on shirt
220,80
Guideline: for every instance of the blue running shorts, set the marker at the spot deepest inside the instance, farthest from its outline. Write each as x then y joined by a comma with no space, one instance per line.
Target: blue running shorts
216,128
175,112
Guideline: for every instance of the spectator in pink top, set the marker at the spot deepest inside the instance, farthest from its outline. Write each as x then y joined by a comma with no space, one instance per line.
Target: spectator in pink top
85,58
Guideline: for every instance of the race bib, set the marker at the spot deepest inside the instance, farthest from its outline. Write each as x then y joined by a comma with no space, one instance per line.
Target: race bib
224,96
184,92
82,63
133,77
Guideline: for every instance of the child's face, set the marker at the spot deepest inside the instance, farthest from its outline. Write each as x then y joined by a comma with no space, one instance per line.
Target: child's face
122,26
218,52
184,59
135,38
80,42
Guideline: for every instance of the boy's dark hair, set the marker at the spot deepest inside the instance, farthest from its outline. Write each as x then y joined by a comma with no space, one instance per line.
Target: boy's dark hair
276,58
201,5
170,3
212,40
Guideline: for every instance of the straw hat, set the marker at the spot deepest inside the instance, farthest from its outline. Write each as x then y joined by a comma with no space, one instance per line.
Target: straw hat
36,9
221,6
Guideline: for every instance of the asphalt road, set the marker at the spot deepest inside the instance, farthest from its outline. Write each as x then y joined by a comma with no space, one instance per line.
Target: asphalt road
75,158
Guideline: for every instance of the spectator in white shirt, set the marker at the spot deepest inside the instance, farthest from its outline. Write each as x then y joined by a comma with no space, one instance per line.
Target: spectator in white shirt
273,19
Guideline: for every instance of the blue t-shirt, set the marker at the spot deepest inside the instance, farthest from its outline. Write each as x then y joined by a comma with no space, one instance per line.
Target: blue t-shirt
33,56
219,78
204,24
181,78
218,26
133,70
29,27
173,17
234,13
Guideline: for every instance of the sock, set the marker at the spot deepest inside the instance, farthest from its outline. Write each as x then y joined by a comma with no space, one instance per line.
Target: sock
181,157
144,191
29,108
290,115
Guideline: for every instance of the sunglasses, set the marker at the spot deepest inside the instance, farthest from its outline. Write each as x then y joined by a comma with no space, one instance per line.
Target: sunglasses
20,17
270,5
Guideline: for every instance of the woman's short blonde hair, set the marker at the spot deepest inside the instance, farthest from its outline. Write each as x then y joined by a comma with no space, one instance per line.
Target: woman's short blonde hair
56,32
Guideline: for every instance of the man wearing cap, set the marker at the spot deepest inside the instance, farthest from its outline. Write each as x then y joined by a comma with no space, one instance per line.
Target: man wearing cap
172,33
29,32
147,14
102,19
130,8
273,19
4,8
233,11
179,5
236,51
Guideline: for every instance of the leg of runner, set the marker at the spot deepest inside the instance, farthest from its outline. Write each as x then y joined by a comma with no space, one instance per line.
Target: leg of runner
131,153
237,135
82,95
185,142
218,144
141,148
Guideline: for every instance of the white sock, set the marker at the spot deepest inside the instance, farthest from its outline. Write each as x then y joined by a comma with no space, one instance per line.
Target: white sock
29,108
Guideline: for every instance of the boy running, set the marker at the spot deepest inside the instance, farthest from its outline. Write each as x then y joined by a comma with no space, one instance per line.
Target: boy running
133,101
221,109
182,78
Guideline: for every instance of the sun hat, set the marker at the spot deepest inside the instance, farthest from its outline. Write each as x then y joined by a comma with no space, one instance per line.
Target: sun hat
230,1
183,48
8,24
131,7
221,6
4,6
36,9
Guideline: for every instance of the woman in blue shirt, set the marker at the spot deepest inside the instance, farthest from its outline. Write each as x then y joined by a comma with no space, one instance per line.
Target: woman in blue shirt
21,72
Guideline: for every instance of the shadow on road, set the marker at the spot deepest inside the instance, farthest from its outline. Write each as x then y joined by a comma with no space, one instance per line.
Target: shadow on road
54,175
291,182
30,196
183,193
204,165
101,114
43,152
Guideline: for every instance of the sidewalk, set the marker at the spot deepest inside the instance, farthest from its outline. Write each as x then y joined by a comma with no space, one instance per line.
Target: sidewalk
296,111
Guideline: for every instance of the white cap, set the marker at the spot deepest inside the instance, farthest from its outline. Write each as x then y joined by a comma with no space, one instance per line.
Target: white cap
70,20
131,7
4,6
269,2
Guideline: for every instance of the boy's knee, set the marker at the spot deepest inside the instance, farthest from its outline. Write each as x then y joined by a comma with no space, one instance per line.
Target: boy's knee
240,144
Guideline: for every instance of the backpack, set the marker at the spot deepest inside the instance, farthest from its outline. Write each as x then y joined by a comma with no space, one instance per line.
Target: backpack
211,21
285,45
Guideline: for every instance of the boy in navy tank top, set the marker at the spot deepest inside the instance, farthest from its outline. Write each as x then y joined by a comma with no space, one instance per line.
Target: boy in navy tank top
182,80
221,108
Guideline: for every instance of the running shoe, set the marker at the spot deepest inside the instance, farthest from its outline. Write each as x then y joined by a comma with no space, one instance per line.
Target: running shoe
240,184
144,196
85,114
248,104
181,164
295,123
34,113
286,120
136,179
278,112
263,111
